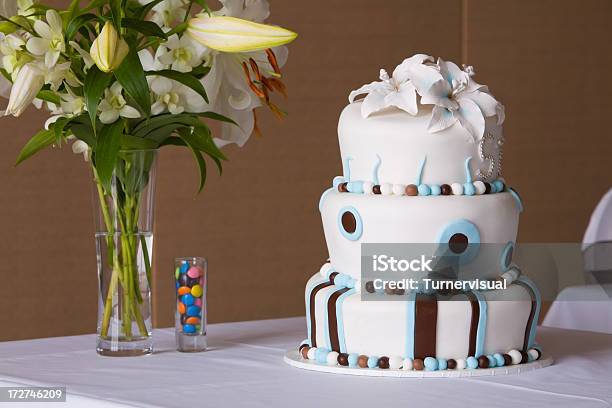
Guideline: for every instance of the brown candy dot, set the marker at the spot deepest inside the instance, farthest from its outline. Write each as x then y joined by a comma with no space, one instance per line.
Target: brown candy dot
451,364
362,361
342,187
349,223
483,362
412,190
487,188
304,352
458,243
376,189
524,357
383,362
445,189
369,287
418,364
343,359
302,346
507,359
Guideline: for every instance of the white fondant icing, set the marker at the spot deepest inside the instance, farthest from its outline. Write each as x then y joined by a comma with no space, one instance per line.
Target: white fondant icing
453,328
402,140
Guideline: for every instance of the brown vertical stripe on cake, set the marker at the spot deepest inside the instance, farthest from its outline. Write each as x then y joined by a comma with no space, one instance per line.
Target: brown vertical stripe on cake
531,313
473,323
313,325
425,322
332,322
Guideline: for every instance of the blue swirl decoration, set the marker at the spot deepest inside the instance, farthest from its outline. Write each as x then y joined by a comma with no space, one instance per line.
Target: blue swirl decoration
465,237
505,259
346,217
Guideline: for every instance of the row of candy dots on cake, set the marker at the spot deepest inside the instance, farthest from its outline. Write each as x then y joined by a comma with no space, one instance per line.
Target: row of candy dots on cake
332,358
475,188
189,288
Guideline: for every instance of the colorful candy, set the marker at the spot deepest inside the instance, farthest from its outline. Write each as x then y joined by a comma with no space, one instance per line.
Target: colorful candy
189,280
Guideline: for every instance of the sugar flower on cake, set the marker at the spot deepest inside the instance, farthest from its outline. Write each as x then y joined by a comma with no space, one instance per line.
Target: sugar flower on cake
397,90
456,97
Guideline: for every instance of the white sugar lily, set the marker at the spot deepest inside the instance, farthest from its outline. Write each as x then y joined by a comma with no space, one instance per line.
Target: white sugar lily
168,96
182,54
108,49
456,97
167,12
50,42
80,147
397,90
231,34
13,56
114,105
30,80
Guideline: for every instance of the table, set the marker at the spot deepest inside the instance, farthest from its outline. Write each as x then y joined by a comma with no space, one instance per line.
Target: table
245,368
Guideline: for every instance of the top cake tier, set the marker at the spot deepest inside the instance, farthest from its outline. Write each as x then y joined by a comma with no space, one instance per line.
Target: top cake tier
429,123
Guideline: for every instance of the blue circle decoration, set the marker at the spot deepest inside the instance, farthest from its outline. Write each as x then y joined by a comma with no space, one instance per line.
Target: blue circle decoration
469,189
442,364
354,235
464,227
492,361
499,360
435,190
431,364
321,355
505,259
499,186
372,362
424,189
352,359
472,362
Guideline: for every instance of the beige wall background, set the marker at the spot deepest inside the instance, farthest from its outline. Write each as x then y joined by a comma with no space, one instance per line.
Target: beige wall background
258,224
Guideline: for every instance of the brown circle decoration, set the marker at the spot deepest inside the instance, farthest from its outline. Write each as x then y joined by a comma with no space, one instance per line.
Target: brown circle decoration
349,223
458,243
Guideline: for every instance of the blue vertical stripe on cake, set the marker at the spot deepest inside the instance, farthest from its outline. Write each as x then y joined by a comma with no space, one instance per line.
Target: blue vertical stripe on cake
310,309
534,314
410,312
340,319
482,323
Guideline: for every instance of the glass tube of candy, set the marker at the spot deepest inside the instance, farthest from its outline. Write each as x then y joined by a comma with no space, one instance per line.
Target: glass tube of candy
191,282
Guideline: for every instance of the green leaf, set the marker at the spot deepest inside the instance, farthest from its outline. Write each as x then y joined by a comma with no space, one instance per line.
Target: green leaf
95,83
184,78
200,71
84,133
38,142
132,77
218,117
109,144
49,96
147,28
208,146
187,136
129,142
148,125
173,141
58,129
76,23
141,12
117,12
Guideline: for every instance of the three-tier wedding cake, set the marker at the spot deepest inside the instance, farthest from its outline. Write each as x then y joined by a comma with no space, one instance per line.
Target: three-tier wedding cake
421,152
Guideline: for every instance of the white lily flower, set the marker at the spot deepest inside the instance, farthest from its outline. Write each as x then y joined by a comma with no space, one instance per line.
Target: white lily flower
30,80
151,62
80,147
12,52
51,41
456,97
166,13
397,90
168,96
182,54
114,105
108,49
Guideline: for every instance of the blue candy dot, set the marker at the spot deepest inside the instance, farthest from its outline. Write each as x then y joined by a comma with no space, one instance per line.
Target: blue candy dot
469,189
193,311
321,355
431,364
177,284
184,267
187,299
499,360
442,364
472,362
492,361
189,328
424,189
372,362
435,189
498,186
352,359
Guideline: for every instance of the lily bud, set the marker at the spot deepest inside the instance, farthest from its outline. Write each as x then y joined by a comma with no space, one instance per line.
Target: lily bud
230,34
30,80
108,49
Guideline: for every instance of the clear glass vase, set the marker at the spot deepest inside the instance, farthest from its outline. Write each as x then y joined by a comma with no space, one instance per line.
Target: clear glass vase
124,247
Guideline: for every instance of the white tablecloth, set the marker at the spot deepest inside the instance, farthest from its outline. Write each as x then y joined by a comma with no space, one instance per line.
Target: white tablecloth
246,368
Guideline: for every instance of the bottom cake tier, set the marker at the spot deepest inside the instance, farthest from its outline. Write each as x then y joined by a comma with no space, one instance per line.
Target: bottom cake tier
420,331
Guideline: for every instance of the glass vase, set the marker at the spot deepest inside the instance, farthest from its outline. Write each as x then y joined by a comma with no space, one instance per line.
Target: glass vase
123,211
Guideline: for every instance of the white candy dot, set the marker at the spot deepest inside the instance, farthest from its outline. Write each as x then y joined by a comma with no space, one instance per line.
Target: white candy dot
461,364
399,189
386,189
395,362
407,364
457,188
516,356
311,353
480,187
367,188
325,269
332,358
534,354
